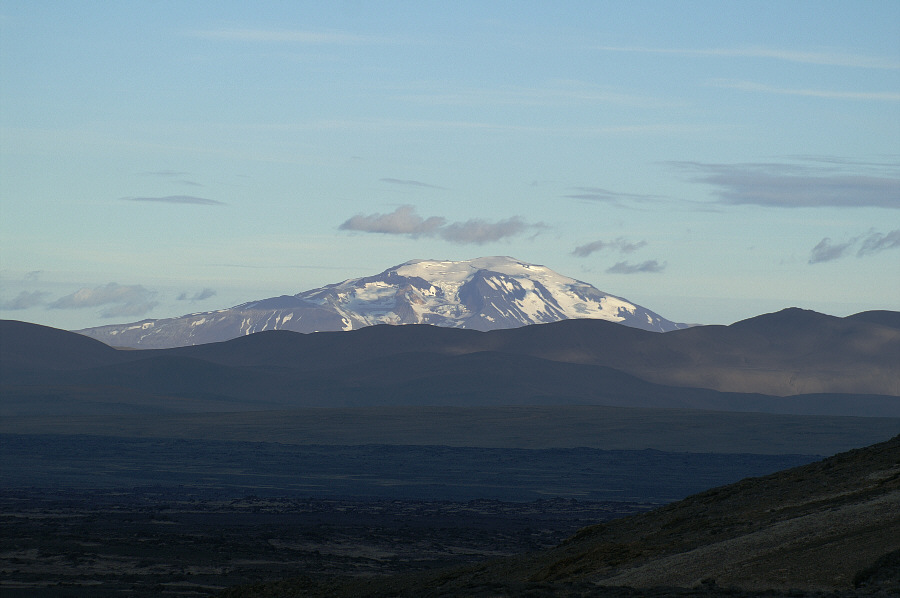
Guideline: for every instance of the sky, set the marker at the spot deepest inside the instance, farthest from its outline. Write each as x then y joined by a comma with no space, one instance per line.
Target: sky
710,161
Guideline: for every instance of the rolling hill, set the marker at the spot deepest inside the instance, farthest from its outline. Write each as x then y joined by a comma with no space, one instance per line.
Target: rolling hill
793,361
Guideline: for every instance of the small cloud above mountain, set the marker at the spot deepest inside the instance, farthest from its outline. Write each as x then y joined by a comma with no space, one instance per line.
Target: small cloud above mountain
198,296
119,300
621,245
402,221
652,266
478,231
405,221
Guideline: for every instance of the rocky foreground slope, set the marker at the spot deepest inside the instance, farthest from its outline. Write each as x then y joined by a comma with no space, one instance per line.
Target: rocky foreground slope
833,525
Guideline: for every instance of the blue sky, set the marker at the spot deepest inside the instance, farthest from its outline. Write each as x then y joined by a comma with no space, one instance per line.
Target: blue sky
708,160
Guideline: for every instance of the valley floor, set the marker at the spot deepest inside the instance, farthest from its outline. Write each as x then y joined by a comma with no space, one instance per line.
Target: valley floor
184,542
107,516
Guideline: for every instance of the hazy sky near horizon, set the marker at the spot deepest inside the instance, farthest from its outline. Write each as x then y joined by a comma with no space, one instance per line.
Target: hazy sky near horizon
710,161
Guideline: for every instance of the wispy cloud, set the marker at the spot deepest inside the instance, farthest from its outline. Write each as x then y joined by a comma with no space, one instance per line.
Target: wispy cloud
178,199
122,300
409,183
173,174
611,197
554,93
832,58
24,300
166,173
651,266
826,250
619,244
293,36
880,96
870,243
877,242
791,186
198,296
405,221
848,164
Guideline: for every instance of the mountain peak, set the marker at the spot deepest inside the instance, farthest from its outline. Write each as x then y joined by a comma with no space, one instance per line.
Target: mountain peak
484,293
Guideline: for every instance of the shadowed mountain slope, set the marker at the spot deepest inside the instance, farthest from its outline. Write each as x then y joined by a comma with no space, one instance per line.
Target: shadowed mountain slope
881,317
31,346
819,364
785,353
826,526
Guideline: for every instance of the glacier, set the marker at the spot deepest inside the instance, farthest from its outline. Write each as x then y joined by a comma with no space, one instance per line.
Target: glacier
485,293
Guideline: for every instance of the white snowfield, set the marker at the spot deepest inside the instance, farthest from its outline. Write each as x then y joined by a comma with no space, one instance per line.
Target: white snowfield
485,293
531,294
572,298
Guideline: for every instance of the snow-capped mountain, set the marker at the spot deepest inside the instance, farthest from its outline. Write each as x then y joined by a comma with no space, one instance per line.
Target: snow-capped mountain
482,294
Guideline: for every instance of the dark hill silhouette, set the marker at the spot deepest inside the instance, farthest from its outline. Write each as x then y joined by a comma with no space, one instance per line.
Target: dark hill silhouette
785,353
821,364
163,382
881,317
31,346
828,526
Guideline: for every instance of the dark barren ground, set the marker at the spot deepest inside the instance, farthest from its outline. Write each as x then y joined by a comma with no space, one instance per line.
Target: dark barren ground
168,542
106,516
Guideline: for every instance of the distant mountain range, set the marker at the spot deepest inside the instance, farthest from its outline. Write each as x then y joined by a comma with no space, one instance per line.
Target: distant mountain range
792,361
487,293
